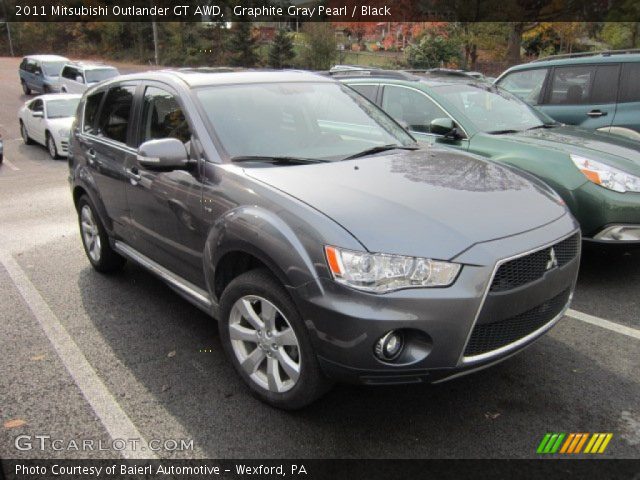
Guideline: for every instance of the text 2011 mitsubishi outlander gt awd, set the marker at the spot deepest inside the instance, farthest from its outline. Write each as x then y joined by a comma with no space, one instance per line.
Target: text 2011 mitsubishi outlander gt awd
325,241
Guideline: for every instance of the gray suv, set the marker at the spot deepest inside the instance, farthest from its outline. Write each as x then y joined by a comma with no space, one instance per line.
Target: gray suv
327,244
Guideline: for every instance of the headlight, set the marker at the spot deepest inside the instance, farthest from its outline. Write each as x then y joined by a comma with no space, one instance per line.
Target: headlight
64,133
381,273
606,175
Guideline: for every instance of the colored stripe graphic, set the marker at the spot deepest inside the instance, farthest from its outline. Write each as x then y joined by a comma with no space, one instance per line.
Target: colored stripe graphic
572,443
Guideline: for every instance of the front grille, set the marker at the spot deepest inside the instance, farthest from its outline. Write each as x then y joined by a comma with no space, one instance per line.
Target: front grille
528,268
491,336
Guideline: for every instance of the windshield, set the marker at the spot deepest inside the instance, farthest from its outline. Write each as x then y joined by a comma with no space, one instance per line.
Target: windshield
52,69
492,109
323,121
62,108
98,75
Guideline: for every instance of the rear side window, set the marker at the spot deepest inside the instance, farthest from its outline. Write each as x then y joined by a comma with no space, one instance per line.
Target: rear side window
114,118
162,117
526,84
630,86
571,85
23,64
605,86
90,112
411,107
368,91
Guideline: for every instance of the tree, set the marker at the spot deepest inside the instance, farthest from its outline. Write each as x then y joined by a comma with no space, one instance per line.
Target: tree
621,34
433,51
281,51
320,45
242,44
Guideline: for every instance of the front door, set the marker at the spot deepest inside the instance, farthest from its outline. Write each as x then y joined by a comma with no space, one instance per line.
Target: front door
165,206
35,124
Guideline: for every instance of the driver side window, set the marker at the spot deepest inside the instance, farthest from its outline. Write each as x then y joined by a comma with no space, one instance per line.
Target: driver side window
162,117
411,107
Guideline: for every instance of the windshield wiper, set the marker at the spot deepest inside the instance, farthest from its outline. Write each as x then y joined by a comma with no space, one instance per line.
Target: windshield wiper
501,132
378,149
282,159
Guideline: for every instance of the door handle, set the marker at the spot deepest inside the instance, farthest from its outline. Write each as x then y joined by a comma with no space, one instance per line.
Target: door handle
133,174
91,156
596,113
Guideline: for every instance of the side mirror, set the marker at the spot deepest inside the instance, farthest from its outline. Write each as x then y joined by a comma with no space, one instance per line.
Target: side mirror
165,153
38,114
445,127
79,79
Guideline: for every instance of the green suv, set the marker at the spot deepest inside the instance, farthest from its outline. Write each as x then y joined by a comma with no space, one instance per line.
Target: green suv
597,91
597,174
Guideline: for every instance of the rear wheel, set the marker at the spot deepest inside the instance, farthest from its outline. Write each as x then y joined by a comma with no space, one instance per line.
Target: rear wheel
95,239
51,147
25,134
268,343
25,89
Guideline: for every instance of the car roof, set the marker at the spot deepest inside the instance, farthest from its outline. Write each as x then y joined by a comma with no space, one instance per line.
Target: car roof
89,65
426,77
580,60
47,58
198,77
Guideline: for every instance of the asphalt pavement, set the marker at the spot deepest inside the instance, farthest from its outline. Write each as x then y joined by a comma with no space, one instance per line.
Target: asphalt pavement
87,356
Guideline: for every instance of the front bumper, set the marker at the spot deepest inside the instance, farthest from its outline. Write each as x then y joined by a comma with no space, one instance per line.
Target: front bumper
448,331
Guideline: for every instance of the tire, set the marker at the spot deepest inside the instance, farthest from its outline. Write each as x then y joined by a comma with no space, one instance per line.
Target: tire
51,146
264,353
25,135
25,89
95,239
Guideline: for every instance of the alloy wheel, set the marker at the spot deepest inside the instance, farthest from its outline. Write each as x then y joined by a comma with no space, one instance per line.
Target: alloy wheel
264,344
51,145
90,234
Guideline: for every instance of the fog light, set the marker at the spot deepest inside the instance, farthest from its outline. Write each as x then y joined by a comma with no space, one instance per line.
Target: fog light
389,346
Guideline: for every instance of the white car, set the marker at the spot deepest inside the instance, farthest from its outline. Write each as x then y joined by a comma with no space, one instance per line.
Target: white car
47,120
76,77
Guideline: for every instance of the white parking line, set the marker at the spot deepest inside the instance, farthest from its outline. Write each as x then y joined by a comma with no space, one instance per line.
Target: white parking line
602,323
105,406
10,165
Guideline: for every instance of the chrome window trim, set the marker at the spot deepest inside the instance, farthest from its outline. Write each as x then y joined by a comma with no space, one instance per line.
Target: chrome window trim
463,361
109,143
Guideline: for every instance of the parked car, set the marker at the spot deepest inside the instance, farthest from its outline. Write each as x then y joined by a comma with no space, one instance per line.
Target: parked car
326,242
76,77
40,73
597,174
47,120
596,91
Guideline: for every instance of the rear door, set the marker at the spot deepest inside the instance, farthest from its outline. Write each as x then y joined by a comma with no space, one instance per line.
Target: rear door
627,118
107,145
582,95
165,206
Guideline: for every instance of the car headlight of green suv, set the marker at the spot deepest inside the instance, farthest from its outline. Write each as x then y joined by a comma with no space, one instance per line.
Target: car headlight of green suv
382,273
606,176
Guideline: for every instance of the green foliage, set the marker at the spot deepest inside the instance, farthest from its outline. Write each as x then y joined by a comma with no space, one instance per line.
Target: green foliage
242,45
320,43
281,50
433,51
621,34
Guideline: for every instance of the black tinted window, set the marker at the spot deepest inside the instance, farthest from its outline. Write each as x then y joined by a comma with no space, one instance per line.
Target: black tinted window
36,106
605,86
69,72
162,117
368,91
630,86
114,117
571,85
90,111
23,64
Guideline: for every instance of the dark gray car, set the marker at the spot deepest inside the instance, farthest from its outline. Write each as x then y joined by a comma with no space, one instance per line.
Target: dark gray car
324,240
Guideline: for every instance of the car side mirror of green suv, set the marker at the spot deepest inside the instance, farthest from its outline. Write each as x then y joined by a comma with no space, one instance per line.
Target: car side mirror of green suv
445,127
163,154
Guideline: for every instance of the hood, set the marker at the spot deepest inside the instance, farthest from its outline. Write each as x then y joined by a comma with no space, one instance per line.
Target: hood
428,203
614,150
60,123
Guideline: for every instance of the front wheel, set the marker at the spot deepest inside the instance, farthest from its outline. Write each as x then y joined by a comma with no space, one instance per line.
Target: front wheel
268,343
51,147
95,239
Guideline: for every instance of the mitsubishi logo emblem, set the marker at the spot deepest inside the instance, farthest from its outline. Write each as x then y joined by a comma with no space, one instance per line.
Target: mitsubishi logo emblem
553,261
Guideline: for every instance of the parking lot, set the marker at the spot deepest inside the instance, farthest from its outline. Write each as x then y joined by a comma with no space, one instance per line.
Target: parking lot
88,356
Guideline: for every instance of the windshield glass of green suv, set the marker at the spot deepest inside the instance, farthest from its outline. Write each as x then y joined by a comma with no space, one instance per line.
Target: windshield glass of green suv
325,121
492,109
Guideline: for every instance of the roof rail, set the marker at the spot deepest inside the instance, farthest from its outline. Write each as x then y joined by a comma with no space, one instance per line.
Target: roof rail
604,53
374,72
